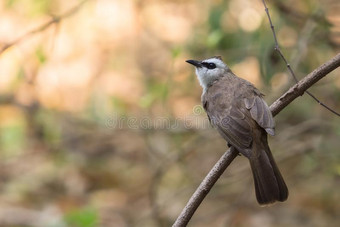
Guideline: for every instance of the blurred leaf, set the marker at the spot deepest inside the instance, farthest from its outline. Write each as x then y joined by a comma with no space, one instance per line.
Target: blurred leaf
214,38
164,91
40,55
82,218
20,75
10,3
51,128
337,169
32,7
146,100
156,91
40,6
12,138
175,52
119,105
215,18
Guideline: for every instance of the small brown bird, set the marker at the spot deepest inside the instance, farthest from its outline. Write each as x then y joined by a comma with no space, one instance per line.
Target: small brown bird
236,108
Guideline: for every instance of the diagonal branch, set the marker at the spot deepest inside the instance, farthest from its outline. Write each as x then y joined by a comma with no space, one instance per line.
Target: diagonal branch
209,181
299,88
54,20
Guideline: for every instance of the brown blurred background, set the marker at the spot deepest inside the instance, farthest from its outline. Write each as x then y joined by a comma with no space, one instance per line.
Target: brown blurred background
100,117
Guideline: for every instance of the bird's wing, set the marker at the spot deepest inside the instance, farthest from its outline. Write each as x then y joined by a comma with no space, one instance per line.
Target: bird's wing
228,116
260,111
235,128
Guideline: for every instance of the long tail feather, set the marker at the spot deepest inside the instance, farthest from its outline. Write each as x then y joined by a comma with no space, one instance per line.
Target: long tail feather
269,184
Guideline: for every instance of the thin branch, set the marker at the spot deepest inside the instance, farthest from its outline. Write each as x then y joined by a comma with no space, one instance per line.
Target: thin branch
43,27
277,48
299,88
209,181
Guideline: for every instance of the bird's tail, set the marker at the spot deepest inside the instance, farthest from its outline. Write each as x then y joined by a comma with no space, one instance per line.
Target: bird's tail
269,184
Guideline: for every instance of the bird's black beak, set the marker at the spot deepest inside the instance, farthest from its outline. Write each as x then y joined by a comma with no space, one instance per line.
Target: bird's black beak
195,63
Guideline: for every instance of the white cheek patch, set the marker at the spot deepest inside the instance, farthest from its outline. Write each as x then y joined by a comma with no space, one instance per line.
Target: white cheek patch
201,72
207,76
212,72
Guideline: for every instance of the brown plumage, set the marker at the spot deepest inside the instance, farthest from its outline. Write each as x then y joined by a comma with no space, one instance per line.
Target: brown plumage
239,113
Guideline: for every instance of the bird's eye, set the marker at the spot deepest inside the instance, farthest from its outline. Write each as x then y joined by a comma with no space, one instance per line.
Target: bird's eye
211,66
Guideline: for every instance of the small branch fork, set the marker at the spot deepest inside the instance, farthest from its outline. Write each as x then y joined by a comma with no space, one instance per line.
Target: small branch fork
299,88
54,20
277,48
209,181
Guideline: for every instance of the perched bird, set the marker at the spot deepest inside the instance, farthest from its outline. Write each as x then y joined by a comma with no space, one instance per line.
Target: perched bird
239,113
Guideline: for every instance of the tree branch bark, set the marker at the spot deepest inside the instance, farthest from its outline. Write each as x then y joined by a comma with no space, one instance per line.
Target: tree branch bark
222,164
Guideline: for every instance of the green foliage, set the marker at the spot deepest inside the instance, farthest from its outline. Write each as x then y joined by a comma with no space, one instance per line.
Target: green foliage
20,76
156,90
41,55
12,139
34,7
82,218
10,3
176,51
51,130
40,6
119,105
214,39
214,20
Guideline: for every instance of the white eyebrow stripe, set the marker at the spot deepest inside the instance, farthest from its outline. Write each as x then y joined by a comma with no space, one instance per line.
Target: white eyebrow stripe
216,61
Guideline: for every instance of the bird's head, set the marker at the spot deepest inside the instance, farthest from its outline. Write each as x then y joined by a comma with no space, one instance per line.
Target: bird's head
209,70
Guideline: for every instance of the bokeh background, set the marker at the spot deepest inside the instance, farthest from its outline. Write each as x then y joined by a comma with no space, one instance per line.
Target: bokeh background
100,117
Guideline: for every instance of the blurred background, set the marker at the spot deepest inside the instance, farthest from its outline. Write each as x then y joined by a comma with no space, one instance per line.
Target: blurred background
100,116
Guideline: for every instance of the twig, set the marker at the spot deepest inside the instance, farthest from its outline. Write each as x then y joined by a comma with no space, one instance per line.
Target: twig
299,88
54,20
277,48
208,182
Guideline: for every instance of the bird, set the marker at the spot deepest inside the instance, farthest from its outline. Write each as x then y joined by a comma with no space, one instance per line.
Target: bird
236,108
